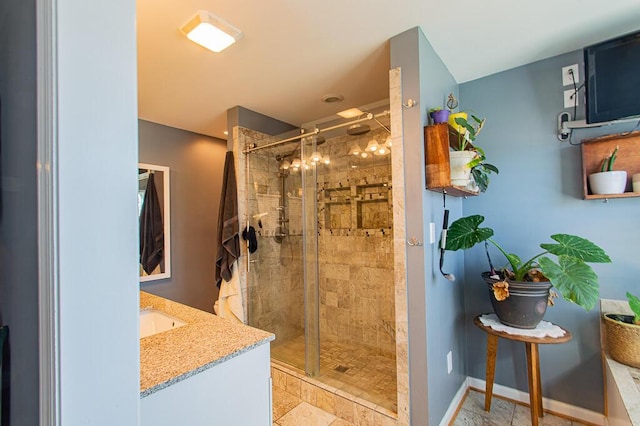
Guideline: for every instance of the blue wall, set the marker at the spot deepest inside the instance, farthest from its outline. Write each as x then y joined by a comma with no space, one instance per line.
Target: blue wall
538,193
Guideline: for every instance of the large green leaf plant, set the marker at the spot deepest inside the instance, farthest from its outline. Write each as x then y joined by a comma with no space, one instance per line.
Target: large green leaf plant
569,273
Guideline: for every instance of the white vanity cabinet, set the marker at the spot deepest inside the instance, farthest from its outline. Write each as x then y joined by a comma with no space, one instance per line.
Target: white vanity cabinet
234,392
208,371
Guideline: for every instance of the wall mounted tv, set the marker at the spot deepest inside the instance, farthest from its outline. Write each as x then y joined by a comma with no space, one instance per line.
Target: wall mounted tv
612,82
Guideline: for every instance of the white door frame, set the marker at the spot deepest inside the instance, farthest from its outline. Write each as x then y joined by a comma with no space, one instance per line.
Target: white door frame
48,276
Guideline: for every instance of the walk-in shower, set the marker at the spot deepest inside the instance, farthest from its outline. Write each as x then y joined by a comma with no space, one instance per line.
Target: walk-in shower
322,278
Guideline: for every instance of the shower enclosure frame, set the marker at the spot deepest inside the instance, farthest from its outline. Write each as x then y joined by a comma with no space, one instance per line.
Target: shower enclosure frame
310,227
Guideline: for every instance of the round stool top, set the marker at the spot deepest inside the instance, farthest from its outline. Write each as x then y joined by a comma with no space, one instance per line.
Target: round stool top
520,338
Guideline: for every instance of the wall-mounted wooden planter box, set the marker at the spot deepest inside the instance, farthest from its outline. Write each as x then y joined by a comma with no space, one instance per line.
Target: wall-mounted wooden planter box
438,170
595,150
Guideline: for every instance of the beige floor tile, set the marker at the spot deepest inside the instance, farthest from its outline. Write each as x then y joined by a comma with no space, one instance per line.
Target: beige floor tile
283,402
522,416
341,422
357,370
305,414
502,413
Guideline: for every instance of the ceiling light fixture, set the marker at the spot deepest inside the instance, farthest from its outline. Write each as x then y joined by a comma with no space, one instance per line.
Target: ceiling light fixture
350,113
355,150
211,32
382,151
332,98
372,145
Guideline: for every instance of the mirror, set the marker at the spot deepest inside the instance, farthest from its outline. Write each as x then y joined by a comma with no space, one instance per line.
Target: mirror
154,219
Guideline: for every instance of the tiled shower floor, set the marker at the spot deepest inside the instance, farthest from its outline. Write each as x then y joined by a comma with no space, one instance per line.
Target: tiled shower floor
356,370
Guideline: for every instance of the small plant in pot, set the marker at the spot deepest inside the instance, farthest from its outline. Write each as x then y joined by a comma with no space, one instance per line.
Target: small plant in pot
439,115
608,181
466,158
623,334
521,292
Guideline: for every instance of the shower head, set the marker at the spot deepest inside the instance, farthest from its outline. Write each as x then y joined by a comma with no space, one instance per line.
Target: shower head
358,129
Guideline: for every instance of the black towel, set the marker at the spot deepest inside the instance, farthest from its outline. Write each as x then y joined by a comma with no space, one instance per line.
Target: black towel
228,238
249,234
151,229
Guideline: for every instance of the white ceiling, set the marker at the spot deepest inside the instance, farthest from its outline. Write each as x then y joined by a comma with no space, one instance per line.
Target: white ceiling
295,51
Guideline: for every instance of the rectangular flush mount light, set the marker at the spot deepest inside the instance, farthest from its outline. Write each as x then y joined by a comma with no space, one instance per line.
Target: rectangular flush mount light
211,32
350,113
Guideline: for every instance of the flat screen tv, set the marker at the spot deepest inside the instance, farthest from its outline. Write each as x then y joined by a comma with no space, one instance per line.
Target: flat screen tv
612,70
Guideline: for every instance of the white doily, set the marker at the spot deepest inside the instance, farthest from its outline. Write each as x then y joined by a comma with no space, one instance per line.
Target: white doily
544,328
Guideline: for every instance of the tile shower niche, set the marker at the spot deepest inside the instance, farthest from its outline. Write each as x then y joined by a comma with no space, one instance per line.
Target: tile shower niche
364,204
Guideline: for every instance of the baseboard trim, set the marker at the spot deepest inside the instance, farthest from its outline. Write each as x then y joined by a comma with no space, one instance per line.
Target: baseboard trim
456,403
553,406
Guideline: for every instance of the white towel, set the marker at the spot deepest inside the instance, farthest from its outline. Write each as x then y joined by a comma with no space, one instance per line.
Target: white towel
229,304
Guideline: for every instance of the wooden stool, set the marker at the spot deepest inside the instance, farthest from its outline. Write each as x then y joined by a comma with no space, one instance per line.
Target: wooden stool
533,364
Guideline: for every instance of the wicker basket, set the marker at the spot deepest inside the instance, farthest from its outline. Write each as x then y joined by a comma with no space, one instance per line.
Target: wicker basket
623,341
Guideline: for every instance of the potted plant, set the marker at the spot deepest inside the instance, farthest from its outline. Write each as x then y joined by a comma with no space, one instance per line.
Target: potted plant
520,293
439,115
608,181
468,160
623,334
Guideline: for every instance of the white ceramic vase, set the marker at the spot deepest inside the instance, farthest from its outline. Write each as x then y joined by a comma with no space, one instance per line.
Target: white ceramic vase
460,171
613,182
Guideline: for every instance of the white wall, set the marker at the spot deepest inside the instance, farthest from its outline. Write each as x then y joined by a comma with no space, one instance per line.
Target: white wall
97,169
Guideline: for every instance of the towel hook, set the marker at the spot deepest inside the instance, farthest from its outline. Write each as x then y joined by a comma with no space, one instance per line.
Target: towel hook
413,242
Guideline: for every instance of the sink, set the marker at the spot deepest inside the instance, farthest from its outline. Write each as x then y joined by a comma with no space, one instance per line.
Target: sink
153,321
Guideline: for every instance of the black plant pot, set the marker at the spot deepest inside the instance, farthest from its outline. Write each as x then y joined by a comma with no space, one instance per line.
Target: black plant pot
526,305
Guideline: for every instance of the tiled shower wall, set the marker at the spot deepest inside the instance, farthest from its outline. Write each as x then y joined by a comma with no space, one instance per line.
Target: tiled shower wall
355,244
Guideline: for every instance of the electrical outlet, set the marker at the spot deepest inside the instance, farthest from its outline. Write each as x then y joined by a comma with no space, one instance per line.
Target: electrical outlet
570,98
432,232
449,362
567,78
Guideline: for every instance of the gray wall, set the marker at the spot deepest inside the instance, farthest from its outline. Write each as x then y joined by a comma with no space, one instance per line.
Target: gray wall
538,193
196,164
18,215
436,309
241,116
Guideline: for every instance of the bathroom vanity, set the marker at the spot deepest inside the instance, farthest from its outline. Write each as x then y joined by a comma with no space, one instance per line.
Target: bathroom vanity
206,371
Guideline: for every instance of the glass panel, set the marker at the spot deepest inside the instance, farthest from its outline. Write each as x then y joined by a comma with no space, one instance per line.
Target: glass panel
310,241
275,280
322,278
355,264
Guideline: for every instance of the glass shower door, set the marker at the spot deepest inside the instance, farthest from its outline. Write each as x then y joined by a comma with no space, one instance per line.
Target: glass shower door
281,288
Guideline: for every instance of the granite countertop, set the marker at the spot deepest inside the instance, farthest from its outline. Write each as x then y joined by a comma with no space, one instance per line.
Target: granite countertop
627,378
207,340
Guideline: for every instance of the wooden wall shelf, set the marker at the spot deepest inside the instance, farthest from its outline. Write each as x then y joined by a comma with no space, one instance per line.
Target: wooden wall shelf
595,150
437,166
